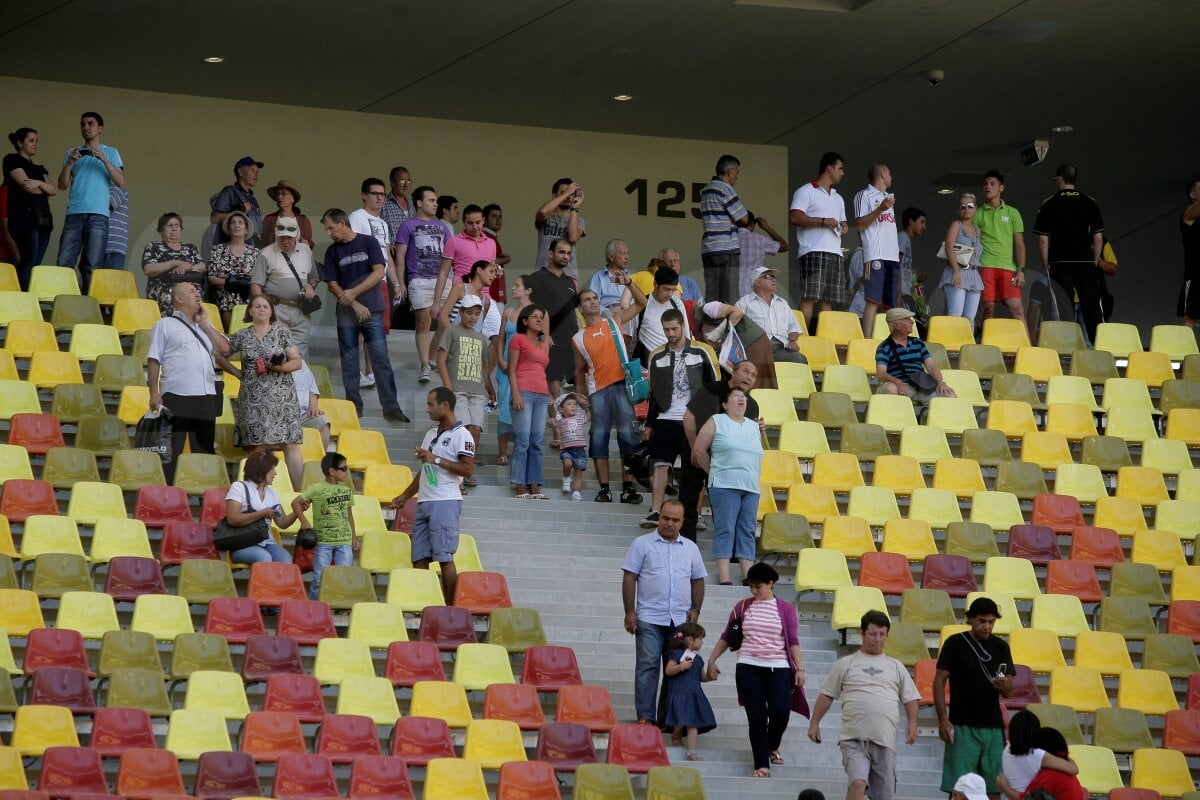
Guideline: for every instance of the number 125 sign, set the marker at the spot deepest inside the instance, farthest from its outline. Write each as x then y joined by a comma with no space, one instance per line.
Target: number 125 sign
670,194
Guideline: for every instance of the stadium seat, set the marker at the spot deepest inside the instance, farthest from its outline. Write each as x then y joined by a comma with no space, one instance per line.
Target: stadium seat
62,686
972,540
1060,613
966,386
814,503
990,448
1187,485
565,746
804,439
1025,691
1072,391
480,592
1123,515
1143,484
339,658
780,469
1120,339
1183,618
951,332
550,667
149,772
985,360
1147,690
938,507
1000,510
1007,334
1168,456
141,689
831,410
1063,336
1009,619
638,748
384,777
1081,688
45,533
530,780
272,583
164,616
1139,581
775,407
18,397
1183,425
875,504
1185,583
127,650
888,572
1150,368
1181,731
795,379
1061,718
54,647
911,538
343,586
949,573
586,705
191,733
1165,771
1170,653
36,434
1177,342
906,643
819,351
235,619
410,662
306,621
37,728
1121,730
821,570
517,703
1160,549
16,304
1039,363
196,472
1045,450
477,666
929,609
848,379
198,652
377,624
23,499
267,735
959,475
1127,616
1075,578
304,776
115,536
72,771
1097,768
129,577
1060,513
368,696
26,337
838,471
417,740
115,730
201,580
901,474
442,700
492,742
1016,388
454,779
295,694
1035,543
1084,482
781,533
516,629
270,655
92,614
92,501
1012,417
892,412
1179,394
223,775
851,602
57,573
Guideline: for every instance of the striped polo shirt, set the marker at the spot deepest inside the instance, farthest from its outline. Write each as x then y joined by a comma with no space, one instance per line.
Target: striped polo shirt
902,361
720,207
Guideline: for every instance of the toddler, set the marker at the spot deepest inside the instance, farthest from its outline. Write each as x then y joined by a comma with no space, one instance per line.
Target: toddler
686,705
571,425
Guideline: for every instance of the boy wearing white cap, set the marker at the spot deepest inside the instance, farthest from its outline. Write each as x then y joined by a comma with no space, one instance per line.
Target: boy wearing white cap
460,361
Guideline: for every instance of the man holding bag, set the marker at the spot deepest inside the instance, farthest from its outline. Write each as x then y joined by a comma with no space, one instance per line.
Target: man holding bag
285,271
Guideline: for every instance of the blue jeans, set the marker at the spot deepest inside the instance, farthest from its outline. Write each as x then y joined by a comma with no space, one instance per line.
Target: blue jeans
86,233
325,554
610,405
735,514
529,426
32,242
766,694
648,674
348,329
260,552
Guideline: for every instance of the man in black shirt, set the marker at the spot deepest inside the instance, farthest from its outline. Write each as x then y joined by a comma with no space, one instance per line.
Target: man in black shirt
557,291
705,403
979,668
1069,230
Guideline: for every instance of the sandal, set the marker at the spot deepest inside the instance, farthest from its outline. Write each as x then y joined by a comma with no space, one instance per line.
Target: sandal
502,461
693,755
761,773
775,758
677,741
525,496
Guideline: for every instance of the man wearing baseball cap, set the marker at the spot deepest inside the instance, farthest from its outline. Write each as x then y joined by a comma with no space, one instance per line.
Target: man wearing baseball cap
903,364
284,270
239,196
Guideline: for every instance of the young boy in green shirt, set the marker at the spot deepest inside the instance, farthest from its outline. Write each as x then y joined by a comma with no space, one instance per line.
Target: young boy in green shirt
333,518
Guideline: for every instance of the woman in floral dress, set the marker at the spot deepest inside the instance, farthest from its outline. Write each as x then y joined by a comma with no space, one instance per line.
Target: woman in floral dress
170,261
230,265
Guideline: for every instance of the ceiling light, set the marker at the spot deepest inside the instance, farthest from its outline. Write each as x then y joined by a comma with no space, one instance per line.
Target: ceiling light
622,97
214,59
945,190
1062,129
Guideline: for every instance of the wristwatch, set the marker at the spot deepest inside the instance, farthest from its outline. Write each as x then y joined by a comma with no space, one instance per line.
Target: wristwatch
437,462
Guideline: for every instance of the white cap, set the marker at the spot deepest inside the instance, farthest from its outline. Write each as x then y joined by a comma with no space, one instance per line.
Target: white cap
471,301
971,786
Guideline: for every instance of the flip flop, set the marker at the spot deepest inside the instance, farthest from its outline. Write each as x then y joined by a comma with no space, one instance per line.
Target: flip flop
502,461
775,758
692,755
761,773
525,496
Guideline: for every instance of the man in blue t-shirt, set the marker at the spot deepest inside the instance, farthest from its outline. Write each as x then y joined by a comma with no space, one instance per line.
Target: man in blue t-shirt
903,364
88,172
354,267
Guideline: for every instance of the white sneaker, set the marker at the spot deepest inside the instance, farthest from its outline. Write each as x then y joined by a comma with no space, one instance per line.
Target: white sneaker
701,525
576,496
366,381
425,374
566,485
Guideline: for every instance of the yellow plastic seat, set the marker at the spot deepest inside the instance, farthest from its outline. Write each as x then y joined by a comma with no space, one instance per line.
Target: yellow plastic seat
815,503
959,475
462,779
493,742
1014,576
193,732
875,504
48,282
1160,549
1183,425
283,479
1150,368
12,770
476,666
89,342
949,630
384,551
1039,363
444,700
26,337
1161,770
369,696
385,481
974,540
1126,393
91,502
1185,583
91,614
1085,482
821,570
925,443
851,602
197,472
819,351
951,332
803,439
891,411
1073,421
849,379
838,471
110,285
1081,688
796,380
901,474
1104,651
1071,389
15,305
342,416
338,659
1187,485
1013,417
222,692
50,534
1123,515
1000,510
8,367
48,369
966,386
1037,649
311,449
134,314
368,515
1008,621
850,536
1061,613
7,547
1118,338
14,463
161,615
775,407
938,507
37,728
20,612
1181,517
1097,768
1045,449
766,502
376,624
1065,337
780,469
1130,424
114,537
840,327
18,397
1177,342
363,449
1147,690
1007,334
861,352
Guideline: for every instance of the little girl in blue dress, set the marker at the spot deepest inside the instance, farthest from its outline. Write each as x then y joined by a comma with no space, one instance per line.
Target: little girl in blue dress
686,705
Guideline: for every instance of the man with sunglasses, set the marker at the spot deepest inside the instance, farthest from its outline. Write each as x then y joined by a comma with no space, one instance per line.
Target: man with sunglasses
771,312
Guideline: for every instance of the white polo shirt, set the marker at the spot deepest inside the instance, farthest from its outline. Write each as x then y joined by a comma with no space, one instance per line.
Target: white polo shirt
880,241
449,445
818,203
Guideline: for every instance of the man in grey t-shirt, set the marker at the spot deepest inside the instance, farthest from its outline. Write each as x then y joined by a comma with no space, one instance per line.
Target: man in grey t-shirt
559,218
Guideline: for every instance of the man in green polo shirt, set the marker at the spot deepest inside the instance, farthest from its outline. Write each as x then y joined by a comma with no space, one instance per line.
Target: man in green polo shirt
1002,235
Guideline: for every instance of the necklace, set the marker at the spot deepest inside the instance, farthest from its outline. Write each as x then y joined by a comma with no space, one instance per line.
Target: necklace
982,656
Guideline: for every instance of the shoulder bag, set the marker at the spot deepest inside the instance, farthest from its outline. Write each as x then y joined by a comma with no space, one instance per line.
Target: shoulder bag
733,629
235,537
307,305
962,254
218,400
637,388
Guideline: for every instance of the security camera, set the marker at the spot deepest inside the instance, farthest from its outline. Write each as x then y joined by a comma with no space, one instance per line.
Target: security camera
935,76
1034,152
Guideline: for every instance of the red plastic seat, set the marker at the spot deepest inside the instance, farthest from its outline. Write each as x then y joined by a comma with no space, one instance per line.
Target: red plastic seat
566,745
129,577
296,694
382,778
1059,512
1099,546
70,771
586,705
1074,577
1193,692
149,772
115,730
23,794
1133,794
419,739
1024,691
1181,731
480,592
223,776
951,574
158,506
527,780
62,686
637,748
304,776
273,583
23,498
887,572
514,702
267,735
212,506
447,627
405,515
306,621
1036,543
550,667
234,618
55,647
184,540
409,662
37,433
345,737
270,655
1183,617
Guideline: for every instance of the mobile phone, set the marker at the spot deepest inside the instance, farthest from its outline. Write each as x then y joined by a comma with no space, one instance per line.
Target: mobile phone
1002,670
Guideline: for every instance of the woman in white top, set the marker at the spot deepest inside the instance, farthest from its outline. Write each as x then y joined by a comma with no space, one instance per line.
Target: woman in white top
1021,760
252,499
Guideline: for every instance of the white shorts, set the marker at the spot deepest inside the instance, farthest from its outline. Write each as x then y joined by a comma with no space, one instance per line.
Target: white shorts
469,409
420,292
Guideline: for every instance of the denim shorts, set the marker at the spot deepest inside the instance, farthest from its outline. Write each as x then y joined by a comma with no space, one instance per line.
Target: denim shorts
575,456
435,530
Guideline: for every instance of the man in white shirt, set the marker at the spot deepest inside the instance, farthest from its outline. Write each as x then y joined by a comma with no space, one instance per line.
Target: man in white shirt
820,214
650,334
369,220
771,312
876,222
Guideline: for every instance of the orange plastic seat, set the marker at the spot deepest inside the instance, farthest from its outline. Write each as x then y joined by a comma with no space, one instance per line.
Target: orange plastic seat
345,737
234,618
1101,547
566,745
272,583
480,592
517,703
550,667
212,506
295,694
1060,513
410,662
37,433
304,776
267,735
888,572
306,621
1181,731
23,498
586,705
1183,618
417,740
381,778
149,772
637,748
1077,578
527,780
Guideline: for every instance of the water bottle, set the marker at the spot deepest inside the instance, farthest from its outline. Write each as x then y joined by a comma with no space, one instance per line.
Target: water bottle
431,474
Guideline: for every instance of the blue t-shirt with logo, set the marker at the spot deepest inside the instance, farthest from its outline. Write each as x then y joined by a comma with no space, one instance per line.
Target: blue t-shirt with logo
90,182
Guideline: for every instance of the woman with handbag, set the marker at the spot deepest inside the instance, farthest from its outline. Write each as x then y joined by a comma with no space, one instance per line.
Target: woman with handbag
250,507
29,192
763,630
230,265
528,357
729,448
170,261
961,279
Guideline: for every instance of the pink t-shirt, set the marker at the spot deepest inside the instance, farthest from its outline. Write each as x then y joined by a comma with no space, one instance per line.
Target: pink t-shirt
463,251
531,366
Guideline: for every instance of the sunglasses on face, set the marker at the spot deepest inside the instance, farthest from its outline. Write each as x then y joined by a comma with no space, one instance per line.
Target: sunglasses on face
965,206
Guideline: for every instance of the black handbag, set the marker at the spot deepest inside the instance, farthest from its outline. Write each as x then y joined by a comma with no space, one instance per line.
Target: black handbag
238,284
733,630
307,305
235,537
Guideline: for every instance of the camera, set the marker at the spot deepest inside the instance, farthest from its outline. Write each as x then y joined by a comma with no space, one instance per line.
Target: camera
935,76
85,151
